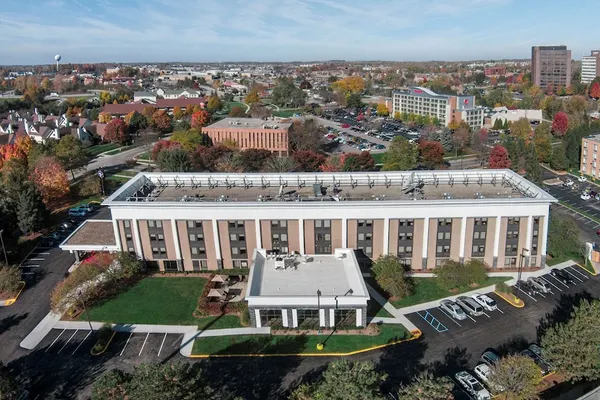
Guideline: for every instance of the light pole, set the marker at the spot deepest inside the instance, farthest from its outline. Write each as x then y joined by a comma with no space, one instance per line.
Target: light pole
79,294
520,269
100,174
3,248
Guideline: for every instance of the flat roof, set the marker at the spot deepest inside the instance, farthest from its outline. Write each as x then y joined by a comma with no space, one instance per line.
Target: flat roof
250,123
92,234
394,186
333,275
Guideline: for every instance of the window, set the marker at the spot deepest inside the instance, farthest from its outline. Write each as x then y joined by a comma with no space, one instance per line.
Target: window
170,266
161,236
242,238
127,224
128,236
443,235
514,220
444,222
512,234
479,235
284,237
159,224
327,237
361,236
478,249
131,250
233,237
200,265
235,251
153,236
510,262
369,236
480,221
368,250
151,224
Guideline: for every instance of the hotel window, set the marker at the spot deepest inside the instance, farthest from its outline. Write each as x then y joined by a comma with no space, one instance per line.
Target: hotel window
480,221
514,220
199,265
479,235
157,239
322,223
444,222
510,262
194,224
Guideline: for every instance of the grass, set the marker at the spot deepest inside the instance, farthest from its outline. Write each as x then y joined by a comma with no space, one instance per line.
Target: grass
297,344
101,148
426,289
161,301
118,179
374,309
144,156
378,157
565,257
118,150
588,266
286,113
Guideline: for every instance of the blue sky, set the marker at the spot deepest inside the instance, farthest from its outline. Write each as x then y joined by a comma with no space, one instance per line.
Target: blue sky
33,31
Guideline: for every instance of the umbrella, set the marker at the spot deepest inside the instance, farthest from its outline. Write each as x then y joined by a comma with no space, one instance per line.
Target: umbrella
218,279
214,293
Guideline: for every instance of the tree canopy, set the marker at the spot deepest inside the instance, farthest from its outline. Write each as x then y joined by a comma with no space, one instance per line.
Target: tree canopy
401,155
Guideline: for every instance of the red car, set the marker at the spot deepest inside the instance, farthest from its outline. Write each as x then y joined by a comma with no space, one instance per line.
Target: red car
345,126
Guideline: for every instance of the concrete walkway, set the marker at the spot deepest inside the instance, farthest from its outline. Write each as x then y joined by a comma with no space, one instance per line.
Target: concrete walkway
40,331
398,318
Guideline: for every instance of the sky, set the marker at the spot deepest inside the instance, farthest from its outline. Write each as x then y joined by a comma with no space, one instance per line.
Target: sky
33,31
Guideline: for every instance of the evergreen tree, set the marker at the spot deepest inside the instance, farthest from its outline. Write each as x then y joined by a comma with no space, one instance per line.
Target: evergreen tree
30,209
505,126
532,165
497,124
446,140
559,160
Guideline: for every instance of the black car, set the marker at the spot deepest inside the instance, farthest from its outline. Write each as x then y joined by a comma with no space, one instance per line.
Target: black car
561,275
527,288
544,367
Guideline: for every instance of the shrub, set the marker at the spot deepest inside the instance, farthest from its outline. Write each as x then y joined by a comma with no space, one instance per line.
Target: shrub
452,274
89,186
475,272
104,335
502,287
245,317
10,279
132,162
389,274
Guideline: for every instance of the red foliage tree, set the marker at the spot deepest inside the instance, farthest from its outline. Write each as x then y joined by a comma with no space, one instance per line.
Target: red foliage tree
200,119
308,160
499,158
161,120
595,90
116,131
163,145
333,163
560,124
431,154
208,158
50,178
358,162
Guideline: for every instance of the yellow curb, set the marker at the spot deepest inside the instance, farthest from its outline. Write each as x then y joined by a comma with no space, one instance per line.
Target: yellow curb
10,302
519,304
586,270
105,347
416,334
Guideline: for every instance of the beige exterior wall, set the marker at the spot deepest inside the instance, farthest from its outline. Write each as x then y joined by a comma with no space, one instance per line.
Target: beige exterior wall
293,235
145,239
209,240
169,242
352,232
184,243
265,233
523,237
224,242
378,238
469,237
252,138
502,241
417,259
250,226
309,236
336,234
541,234
122,235
455,241
393,239
432,240
489,242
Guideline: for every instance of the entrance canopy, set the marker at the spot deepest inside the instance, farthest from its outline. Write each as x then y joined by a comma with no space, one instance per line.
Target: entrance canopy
92,235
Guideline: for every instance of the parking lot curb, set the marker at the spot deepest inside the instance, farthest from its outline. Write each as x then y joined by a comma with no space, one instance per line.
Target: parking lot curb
105,347
415,335
517,305
587,270
10,302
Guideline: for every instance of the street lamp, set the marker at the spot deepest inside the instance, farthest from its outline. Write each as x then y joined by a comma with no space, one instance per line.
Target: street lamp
524,253
100,174
79,295
3,248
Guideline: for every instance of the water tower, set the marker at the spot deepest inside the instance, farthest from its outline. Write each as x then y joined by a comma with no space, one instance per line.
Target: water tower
57,58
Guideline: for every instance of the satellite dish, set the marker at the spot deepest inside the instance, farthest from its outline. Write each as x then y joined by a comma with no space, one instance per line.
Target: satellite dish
57,57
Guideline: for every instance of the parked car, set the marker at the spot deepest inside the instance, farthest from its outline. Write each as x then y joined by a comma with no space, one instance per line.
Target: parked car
80,211
539,284
526,288
545,368
585,196
485,301
453,309
93,205
537,350
472,385
561,275
582,179
468,304
568,183
490,357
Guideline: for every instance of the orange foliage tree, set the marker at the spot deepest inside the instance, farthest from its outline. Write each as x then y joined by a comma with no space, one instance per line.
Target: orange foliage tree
595,90
50,178
161,120
200,119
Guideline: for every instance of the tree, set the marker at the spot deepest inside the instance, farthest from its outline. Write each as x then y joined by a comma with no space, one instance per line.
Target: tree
559,160
532,165
254,160
452,274
543,142
191,139
30,210
595,90
252,97
208,158
382,110
286,94
333,163
116,131
50,178
563,237
111,385
214,103
281,164
305,135
362,161
161,120
237,112
104,118
354,100
9,390
499,158
572,346
427,387
402,155
308,160
431,154
174,159
518,376
349,85
345,380
136,121
560,123
480,146
389,274
259,111
521,129
177,113
200,119
71,154
461,138
148,112
497,124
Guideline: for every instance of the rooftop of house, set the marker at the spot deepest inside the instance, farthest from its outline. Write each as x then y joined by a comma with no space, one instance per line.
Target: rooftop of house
250,123
594,138
397,186
302,276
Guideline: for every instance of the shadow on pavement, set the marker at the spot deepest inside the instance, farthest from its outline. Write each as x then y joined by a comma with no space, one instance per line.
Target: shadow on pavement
562,312
11,321
401,362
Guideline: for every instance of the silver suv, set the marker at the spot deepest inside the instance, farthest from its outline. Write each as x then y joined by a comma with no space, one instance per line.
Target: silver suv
539,284
468,304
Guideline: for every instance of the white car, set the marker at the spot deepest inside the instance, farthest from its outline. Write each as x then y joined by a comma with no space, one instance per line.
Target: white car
453,309
582,179
585,196
569,183
483,372
472,385
486,301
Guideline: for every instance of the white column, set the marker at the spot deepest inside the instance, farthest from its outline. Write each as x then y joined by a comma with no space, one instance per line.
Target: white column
176,239
386,235
497,235
301,234
344,233
294,318
425,236
529,232
257,317
544,236
258,237
136,235
216,239
321,317
117,235
463,234
359,316
284,317
331,317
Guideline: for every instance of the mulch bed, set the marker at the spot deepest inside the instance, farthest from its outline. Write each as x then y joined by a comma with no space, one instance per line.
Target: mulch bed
370,330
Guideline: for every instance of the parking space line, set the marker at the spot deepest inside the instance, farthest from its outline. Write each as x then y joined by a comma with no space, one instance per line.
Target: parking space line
579,273
472,319
558,280
542,294
502,312
52,344
144,344
126,343
35,259
527,294
78,346
68,340
486,314
449,316
162,344
551,283
30,266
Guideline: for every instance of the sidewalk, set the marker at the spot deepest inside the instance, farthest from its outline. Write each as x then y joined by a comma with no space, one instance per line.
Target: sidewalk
187,343
399,317
40,331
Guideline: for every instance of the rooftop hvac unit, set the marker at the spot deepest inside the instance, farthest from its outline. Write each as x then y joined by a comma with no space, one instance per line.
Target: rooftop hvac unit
317,189
279,263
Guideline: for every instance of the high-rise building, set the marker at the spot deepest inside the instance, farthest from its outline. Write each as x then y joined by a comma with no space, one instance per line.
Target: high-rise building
590,67
551,65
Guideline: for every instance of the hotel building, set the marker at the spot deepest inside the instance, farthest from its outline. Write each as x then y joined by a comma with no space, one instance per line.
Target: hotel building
590,67
590,165
551,66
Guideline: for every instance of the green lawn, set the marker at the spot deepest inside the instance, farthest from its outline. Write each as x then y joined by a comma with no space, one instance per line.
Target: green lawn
301,344
144,156
286,113
118,150
378,157
101,148
426,289
162,301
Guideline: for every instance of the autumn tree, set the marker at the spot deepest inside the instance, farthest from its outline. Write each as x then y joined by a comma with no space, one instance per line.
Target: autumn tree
50,178
177,113
349,85
518,376
402,155
427,387
116,131
305,135
71,154
479,145
333,163
521,129
191,139
461,138
214,103
161,120
200,119
254,160
499,158
595,90
281,164
136,121
308,160
382,110
237,112
286,94
543,142
560,123
252,97
104,118
431,154
389,274
148,112
358,162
